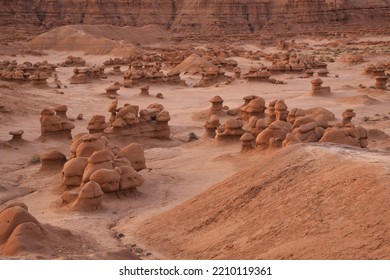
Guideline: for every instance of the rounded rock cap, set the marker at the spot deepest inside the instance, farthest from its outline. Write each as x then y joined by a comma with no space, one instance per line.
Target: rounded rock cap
16,132
216,99
52,155
247,137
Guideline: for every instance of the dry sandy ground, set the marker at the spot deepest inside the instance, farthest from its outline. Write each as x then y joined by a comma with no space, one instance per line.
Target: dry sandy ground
178,171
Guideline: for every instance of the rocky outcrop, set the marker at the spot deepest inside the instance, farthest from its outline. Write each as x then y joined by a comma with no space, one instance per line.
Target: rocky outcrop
223,17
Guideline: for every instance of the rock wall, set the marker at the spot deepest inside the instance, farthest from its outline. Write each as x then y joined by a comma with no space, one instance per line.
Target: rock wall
202,16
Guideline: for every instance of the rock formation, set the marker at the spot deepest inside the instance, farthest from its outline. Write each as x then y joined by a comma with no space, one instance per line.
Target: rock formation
211,76
255,107
257,74
230,130
271,111
112,90
73,61
96,167
216,105
318,89
55,125
204,18
89,198
134,153
292,62
72,172
375,70
22,235
346,132
144,91
36,73
294,114
307,129
246,142
211,125
347,116
52,160
16,136
381,82
256,125
87,75
97,124
347,135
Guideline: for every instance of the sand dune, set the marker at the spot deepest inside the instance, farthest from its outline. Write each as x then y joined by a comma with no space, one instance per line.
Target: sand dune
304,202
98,39
360,100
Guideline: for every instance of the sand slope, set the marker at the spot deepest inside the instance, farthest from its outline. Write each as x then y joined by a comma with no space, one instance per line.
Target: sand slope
98,39
302,202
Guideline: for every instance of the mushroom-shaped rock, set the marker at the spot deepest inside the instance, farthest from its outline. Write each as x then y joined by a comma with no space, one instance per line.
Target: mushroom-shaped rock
52,160
50,122
255,107
323,73
61,111
90,197
211,125
216,105
112,90
309,72
347,116
318,89
97,124
89,145
16,135
108,179
134,152
144,91
72,173
246,142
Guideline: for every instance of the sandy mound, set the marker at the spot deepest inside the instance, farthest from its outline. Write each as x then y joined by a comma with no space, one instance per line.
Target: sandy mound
194,65
360,100
22,234
301,202
99,39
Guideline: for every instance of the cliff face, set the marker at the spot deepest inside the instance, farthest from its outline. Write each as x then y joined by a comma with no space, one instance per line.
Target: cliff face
200,16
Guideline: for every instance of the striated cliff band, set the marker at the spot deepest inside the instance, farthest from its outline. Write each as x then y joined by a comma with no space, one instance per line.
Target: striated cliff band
203,17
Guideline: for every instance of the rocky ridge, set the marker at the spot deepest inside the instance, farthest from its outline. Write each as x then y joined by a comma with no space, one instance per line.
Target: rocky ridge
202,17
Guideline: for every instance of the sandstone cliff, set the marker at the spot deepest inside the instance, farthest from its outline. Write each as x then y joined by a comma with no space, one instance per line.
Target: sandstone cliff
234,17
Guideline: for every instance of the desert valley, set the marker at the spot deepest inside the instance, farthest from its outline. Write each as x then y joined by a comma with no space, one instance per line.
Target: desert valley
195,129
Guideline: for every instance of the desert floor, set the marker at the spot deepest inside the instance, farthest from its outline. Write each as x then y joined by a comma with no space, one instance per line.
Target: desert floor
178,171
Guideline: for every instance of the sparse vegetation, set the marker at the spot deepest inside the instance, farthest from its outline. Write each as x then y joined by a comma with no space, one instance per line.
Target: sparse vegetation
35,159
192,136
365,118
